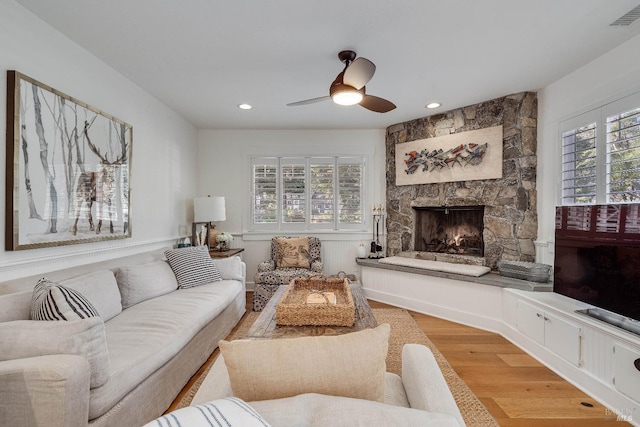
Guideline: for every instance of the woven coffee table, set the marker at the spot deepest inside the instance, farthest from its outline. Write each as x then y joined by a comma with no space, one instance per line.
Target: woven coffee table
265,325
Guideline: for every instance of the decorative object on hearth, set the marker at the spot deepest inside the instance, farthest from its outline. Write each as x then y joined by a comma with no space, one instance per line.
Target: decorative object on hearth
205,211
53,199
531,271
376,247
349,86
361,251
465,156
224,238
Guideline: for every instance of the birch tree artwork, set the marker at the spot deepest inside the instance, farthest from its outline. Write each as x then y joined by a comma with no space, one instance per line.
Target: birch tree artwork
68,169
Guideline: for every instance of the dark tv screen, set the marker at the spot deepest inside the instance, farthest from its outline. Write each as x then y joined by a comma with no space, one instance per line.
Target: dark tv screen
597,256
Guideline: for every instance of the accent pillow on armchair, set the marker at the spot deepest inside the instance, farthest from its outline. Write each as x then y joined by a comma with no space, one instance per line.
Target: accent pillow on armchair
291,258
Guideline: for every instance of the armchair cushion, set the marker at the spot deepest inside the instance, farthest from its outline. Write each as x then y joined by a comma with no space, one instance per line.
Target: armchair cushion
293,252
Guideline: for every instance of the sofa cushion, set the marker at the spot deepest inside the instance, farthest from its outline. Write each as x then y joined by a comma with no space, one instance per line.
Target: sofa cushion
323,410
31,338
141,282
231,412
101,289
350,365
230,268
146,336
293,252
51,301
192,266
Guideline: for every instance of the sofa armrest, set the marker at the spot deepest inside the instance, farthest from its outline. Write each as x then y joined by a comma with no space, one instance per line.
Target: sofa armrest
424,383
50,391
266,266
317,266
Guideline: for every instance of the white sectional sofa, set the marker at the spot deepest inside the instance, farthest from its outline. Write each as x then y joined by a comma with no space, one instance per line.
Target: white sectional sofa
125,367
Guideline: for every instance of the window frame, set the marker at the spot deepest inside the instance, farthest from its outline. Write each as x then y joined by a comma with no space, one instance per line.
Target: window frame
336,225
598,115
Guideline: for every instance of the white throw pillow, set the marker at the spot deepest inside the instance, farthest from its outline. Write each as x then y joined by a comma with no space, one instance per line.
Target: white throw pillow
141,282
51,301
192,266
350,365
230,412
229,268
32,338
101,289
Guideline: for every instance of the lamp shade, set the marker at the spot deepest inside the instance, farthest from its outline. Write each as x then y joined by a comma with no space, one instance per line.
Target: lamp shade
208,209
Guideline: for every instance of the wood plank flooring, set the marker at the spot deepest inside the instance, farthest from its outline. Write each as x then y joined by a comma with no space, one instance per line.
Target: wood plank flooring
517,389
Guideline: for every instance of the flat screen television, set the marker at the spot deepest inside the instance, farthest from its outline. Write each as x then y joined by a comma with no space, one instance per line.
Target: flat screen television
597,260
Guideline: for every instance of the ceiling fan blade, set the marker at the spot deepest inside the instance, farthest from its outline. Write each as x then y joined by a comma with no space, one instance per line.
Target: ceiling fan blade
379,105
308,101
358,73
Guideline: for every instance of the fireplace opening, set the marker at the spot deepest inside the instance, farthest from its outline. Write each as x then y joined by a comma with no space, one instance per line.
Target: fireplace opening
449,229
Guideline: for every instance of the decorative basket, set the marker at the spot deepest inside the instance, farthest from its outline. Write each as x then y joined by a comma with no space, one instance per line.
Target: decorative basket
530,271
293,309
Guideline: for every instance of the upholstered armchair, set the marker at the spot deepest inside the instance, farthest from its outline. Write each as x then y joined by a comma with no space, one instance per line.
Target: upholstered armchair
291,258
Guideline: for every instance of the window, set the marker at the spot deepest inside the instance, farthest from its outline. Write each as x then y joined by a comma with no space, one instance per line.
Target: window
600,155
307,193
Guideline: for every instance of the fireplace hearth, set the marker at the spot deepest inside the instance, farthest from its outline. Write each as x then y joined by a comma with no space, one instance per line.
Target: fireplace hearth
449,229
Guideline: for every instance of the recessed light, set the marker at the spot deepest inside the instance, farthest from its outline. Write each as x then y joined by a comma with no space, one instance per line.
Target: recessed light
245,106
433,105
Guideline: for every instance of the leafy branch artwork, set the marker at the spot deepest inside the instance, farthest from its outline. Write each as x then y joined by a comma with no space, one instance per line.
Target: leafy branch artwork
462,155
83,173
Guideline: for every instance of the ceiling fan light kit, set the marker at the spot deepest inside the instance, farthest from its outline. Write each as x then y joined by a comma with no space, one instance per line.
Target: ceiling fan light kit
348,87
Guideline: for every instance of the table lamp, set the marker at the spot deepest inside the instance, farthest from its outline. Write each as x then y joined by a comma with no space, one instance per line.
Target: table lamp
205,211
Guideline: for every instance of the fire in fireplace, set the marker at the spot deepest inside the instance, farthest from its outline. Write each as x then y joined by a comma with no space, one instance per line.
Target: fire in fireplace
449,229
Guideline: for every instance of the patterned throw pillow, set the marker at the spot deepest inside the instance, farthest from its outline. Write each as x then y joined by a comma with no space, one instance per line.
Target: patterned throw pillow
51,301
230,411
192,266
293,252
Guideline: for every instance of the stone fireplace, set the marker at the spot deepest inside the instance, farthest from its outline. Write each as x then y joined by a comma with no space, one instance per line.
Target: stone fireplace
449,230
508,226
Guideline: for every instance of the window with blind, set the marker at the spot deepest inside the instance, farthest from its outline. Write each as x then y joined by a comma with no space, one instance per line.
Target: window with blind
307,193
600,157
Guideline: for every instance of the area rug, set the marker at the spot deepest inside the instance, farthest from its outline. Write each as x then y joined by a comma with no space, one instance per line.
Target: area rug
404,330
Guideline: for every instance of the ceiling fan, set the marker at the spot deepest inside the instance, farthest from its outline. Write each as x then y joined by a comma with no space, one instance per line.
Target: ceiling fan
349,86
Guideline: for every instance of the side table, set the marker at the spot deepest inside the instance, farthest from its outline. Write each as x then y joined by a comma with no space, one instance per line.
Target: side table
225,254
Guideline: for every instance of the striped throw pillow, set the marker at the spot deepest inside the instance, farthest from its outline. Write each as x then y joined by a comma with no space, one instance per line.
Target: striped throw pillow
230,411
51,301
192,266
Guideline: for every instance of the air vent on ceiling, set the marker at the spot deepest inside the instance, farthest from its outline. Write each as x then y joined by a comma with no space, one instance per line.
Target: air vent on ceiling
628,18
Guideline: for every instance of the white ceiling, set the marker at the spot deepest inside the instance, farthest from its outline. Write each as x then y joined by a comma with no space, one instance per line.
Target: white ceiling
204,57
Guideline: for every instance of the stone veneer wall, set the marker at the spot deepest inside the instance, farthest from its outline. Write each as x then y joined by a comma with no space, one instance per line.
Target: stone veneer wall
510,218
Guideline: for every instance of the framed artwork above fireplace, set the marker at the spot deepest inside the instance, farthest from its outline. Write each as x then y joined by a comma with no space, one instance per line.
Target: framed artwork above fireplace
465,156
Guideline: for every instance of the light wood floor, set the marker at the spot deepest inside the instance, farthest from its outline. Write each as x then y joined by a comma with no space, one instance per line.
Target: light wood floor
517,390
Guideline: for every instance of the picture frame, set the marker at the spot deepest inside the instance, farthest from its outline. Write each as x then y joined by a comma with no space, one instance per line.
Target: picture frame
465,156
68,169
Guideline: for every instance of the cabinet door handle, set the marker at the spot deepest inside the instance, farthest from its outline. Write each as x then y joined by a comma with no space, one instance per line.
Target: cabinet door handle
546,318
538,315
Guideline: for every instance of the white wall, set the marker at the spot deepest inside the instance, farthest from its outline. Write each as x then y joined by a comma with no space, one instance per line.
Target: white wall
224,170
164,144
609,77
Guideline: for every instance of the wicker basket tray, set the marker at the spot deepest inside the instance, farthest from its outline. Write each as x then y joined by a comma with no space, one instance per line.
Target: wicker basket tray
293,309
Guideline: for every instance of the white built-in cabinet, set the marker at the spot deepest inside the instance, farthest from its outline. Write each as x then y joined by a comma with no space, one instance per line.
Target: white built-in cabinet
556,334
626,371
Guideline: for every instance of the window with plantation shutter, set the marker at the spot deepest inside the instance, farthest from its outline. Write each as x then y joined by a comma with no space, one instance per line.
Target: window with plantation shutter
623,152
322,192
579,165
265,192
600,155
310,193
350,192
294,190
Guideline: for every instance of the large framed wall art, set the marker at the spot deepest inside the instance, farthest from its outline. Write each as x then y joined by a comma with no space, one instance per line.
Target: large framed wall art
465,156
68,169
